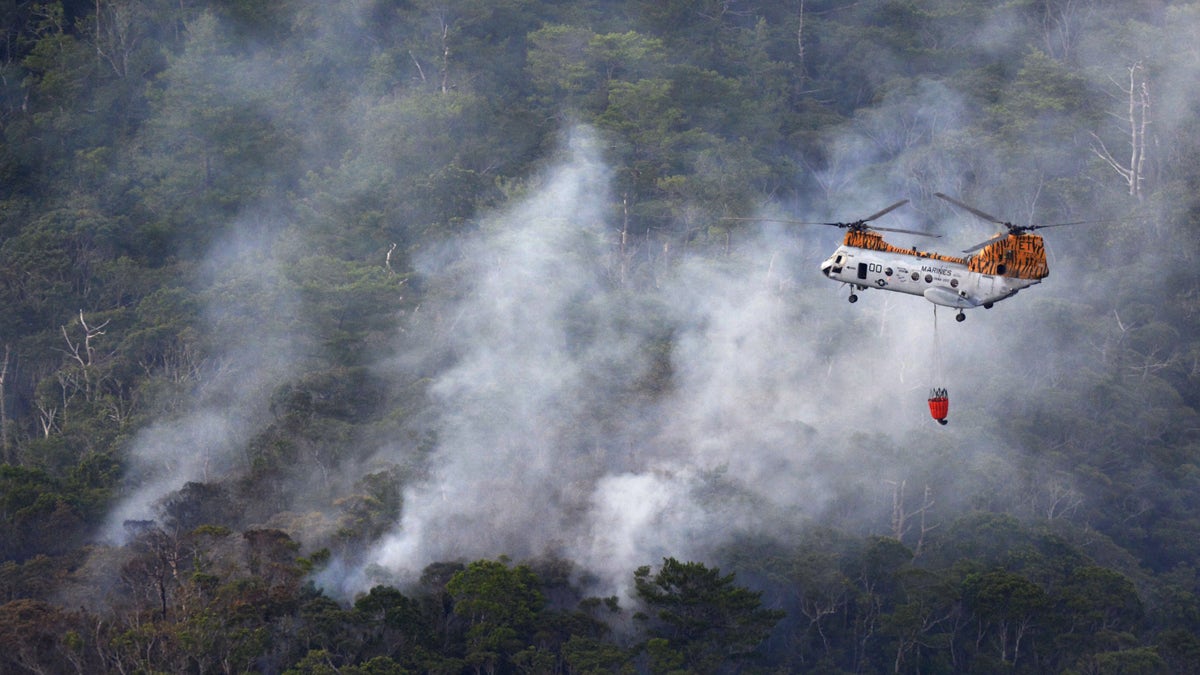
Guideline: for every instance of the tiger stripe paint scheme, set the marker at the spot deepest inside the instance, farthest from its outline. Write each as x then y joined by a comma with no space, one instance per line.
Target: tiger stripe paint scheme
998,271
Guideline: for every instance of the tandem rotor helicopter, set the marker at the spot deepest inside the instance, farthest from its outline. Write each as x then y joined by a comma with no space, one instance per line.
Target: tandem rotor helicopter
991,271
988,273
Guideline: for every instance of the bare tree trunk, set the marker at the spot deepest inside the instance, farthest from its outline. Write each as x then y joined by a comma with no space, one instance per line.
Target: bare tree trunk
800,46
445,74
1138,120
926,504
420,70
624,263
1062,23
899,517
4,451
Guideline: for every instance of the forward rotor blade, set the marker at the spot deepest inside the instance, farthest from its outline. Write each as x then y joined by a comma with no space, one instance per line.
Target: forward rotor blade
841,225
884,212
852,225
986,216
786,220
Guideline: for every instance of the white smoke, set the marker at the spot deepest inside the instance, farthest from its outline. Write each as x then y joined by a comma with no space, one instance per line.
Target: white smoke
249,315
543,445
778,390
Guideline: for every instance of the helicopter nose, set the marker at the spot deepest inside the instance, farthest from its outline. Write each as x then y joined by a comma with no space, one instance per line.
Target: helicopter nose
826,266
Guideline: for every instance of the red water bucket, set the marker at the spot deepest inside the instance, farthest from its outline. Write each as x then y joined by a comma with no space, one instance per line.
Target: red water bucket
939,405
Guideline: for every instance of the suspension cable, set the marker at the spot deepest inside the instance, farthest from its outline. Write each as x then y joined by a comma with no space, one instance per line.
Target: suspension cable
937,351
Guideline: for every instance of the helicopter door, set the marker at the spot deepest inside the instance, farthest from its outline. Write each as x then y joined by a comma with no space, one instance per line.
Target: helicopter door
862,270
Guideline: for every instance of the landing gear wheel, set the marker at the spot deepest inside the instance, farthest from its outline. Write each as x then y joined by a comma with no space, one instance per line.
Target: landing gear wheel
960,316
987,305
853,298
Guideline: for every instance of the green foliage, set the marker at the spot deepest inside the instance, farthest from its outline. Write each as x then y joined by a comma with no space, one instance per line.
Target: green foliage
591,656
214,143
42,514
1007,606
499,604
350,305
702,616
349,141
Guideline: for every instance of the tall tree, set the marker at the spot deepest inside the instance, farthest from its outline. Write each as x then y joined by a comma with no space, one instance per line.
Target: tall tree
499,604
701,614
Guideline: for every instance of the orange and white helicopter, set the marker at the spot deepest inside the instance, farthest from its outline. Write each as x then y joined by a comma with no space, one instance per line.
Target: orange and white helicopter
990,272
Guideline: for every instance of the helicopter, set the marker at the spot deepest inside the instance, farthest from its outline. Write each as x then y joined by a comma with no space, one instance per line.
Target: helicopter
991,271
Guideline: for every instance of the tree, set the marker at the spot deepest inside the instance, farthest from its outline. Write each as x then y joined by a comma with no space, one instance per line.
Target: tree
38,637
5,449
499,604
1135,121
702,615
822,592
349,305
396,627
591,656
59,70
920,621
214,143
1006,608
1098,608
875,573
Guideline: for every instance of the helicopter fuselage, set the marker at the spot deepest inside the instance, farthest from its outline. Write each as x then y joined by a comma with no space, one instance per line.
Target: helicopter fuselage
999,271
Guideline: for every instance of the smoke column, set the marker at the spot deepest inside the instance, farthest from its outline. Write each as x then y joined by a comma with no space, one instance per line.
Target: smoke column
545,446
256,354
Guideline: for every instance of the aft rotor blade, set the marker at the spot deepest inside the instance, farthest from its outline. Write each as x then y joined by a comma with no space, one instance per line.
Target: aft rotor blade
994,239
986,216
896,229
886,211
1077,222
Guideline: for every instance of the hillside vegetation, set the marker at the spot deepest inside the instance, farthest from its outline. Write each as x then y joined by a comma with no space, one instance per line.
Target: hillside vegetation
457,336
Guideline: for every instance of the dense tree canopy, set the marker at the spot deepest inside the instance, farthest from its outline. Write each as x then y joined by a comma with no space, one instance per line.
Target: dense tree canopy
261,264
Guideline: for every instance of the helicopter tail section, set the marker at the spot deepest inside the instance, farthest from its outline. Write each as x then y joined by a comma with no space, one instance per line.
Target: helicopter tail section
1020,256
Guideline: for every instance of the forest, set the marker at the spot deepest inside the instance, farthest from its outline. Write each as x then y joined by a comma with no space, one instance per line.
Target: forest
470,336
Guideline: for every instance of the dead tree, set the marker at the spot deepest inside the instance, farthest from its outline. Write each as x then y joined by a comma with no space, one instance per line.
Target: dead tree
902,519
4,451
1137,117
83,352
